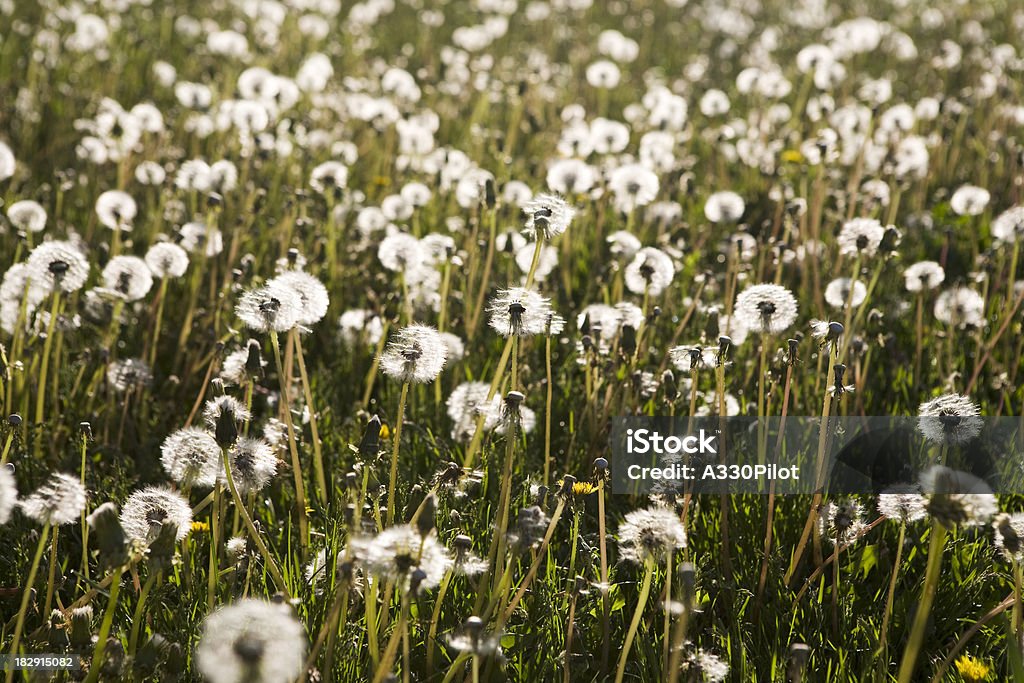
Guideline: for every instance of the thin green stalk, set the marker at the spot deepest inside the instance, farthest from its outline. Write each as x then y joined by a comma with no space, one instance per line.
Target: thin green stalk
300,491
139,615
30,580
924,606
51,578
638,612
883,653
108,620
211,575
393,475
318,459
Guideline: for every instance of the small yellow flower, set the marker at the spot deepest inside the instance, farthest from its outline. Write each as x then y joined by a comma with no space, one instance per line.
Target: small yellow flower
972,669
200,527
793,156
385,432
579,488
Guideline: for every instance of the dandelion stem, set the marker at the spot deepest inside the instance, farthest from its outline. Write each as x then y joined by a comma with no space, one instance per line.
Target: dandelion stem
535,565
26,595
44,363
883,653
51,578
211,577
268,559
318,461
638,612
605,604
547,409
139,615
393,476
108,620
286,409
924,606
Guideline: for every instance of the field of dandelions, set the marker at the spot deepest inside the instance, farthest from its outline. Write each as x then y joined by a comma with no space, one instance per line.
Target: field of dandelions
315,315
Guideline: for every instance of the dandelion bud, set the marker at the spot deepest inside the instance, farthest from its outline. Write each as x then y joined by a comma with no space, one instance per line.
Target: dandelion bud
369,445
462,543
425,521
113,660
456,517
149,655
81,627
799,653
161,550
668,381
724,343
254,359
567,483
108,535
490,198
56,634
85,429
627,340
791,356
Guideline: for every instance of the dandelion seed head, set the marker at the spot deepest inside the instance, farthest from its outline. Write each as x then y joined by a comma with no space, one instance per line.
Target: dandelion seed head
961,307
632,186
8,494
401,252
765,308
398,551
841,521
724,207
860,237
27,216
1009,535
166,260
1007,226
129,373
969,200
648,534
651,271
547,215
129,276
360,326
957,498
416,354
311,292
519,312
949,419
272,307
842,291
58,502
251,641
59,265
923,276
116,210
148,508
191,457
253,464
902,503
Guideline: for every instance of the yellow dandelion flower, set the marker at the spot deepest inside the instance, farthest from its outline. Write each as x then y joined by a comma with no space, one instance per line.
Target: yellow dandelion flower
385,432
792,156
200,527
972,669
583,488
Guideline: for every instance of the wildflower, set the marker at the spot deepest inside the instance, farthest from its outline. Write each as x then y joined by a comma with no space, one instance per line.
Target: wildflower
251,641
633,185
860,237
8,494
529,529
972,669
401,253
129,373
724,207
166,260
519,312
191,457
223,415
650,271
571,176
196,236
903,503
969,200
957,498
1009,535
146,510
603,74
57,502
949,419
272,307
58,265
312,294
649,534
765,308
691,358
923,276
842,291
827,332
399,551
547,215
253,464
709,666
360,325
416,354
129,276
1007,226
27,216
960,307
7,162
116,210
838,388
472,639
842,521
150,173
466,562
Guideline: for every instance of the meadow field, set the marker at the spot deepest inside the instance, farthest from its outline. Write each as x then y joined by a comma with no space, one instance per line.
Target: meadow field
316,315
